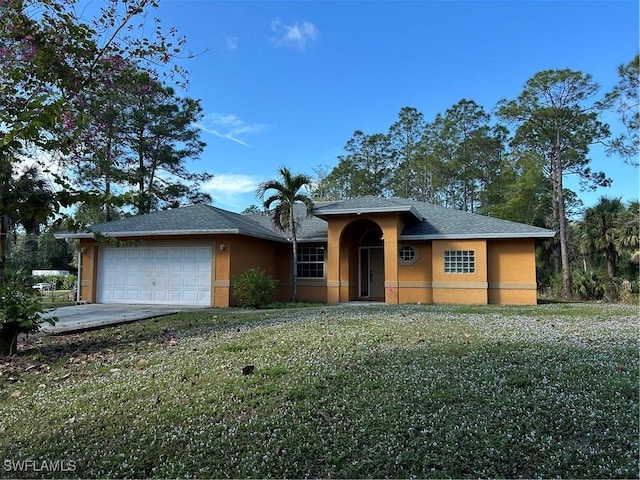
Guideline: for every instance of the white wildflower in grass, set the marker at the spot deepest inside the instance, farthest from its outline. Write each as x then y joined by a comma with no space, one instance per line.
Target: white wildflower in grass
376,391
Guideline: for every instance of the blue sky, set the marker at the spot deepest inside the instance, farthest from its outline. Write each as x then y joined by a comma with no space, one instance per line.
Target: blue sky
287,83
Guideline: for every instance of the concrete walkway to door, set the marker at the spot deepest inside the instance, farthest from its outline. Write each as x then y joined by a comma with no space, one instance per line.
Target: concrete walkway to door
98,315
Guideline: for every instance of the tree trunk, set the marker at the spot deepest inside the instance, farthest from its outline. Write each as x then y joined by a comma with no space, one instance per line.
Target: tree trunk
8,339
562,223
3,249
292,224
611,262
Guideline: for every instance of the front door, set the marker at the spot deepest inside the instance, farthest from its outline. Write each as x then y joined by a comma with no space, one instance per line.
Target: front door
371,272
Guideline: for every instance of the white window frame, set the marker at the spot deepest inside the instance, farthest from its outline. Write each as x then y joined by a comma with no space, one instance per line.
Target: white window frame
312,258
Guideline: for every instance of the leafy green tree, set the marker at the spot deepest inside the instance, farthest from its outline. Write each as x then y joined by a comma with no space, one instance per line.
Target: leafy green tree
143,135
89,213
472,154
20,312
50,56
97,161
53,253
286,194
526,196
49,59
623,99
424,171
161,135
364,170
628,228
557,116
405,139
251,209
27,200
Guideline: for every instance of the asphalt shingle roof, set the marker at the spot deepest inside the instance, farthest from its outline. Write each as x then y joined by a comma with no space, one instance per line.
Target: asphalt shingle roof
193,219
424,221
428,221
310,229
441,222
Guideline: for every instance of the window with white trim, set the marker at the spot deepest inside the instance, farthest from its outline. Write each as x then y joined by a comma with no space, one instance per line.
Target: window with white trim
408,255
310,262
459,261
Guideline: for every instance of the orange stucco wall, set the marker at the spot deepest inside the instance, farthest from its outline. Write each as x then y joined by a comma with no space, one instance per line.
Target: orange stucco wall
504,269
245,253
460,288
309,290
415,280
512,272
337,290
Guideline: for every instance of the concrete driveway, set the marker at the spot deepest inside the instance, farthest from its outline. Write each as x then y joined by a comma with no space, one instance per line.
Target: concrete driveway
98,315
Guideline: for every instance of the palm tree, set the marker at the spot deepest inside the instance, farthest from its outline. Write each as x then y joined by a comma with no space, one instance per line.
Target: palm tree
26,200
629,227
628,235
600,230
286,195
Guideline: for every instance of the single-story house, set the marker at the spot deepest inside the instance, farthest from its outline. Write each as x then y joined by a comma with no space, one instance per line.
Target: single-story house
389,250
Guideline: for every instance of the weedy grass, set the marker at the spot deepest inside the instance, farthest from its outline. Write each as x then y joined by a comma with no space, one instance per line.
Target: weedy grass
335,391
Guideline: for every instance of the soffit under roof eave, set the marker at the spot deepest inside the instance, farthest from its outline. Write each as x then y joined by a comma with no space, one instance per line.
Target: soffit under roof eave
479,236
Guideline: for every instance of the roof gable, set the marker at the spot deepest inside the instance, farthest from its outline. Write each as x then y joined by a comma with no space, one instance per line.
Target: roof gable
365,205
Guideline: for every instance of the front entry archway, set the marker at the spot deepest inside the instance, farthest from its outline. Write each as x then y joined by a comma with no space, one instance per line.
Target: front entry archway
362,241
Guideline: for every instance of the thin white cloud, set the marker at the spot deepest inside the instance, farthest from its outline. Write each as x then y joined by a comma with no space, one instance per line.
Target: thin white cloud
231,184
232,191
229,127
296,35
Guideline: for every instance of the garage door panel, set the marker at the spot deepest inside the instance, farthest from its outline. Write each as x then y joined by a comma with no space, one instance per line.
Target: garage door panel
146,274
176,296
175,266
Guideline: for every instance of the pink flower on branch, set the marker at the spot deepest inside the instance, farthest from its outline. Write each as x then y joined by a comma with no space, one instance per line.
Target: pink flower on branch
67,120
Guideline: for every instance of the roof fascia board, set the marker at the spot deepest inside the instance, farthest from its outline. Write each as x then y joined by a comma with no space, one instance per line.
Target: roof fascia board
371,210
478,236
157,233
313,240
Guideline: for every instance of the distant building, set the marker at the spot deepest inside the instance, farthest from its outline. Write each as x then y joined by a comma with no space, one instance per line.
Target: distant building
44,273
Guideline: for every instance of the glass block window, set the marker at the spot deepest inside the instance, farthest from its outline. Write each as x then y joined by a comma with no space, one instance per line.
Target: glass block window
310,262
408,255
459,261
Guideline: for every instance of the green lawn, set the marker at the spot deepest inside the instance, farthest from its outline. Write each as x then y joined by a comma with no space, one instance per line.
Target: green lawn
366,391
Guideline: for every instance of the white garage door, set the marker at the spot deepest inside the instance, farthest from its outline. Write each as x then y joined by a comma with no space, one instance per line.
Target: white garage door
155,275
